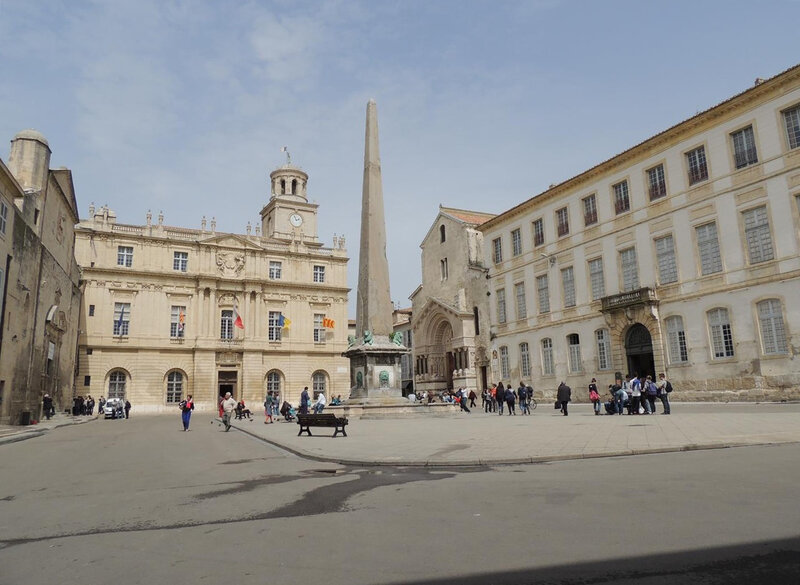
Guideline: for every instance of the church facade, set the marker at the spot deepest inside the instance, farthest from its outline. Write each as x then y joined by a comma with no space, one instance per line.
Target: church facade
170,311
680,255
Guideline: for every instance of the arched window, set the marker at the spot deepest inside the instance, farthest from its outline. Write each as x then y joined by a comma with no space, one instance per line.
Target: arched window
274,381
773,332
504,373
719,326
174,387
574,344
524,360
547,357
116,384
603,349
676,339
442,235
319,382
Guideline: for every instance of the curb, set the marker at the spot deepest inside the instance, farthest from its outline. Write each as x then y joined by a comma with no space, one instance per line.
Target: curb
24,435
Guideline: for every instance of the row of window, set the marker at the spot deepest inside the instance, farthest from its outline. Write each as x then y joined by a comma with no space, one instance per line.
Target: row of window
720,332
745,153
117,382
180,262
758,240
276,322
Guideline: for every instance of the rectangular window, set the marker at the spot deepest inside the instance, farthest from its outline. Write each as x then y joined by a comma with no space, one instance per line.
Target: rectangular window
603,349
519,293
125,256
656,183
630,270
744,148
524,360
665,255
443,267
226,325
568,284
274,326
497,250
791,121
3,217
597,278
516,242
177,322
622,202
91,310
721,334
547,357
501,306
122,314
696,161
275,270
676,338
543,291
773,333
574,345
708,248
562,221
589,210
180,261
87,380
89,350
538,232
319,273
756,231
319,329
504,362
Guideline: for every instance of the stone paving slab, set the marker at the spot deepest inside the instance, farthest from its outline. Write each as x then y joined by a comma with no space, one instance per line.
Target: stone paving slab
489,439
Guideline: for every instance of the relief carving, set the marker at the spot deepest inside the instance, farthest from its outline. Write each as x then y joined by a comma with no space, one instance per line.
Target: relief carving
230,263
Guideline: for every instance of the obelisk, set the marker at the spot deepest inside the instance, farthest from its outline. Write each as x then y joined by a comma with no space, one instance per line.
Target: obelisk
374,353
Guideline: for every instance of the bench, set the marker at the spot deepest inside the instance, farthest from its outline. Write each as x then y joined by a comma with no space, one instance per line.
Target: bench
306,421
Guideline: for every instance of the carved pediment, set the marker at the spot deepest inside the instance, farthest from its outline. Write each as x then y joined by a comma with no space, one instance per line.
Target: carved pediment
230,241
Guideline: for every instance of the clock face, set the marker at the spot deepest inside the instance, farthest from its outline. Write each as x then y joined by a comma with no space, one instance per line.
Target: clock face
295,219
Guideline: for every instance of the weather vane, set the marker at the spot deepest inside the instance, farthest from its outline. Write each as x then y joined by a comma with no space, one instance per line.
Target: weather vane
288,156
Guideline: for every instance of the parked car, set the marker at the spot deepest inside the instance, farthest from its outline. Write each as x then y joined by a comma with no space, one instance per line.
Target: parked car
114,408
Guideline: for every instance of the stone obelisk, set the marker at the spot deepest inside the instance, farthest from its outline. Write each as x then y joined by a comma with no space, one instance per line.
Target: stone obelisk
374,353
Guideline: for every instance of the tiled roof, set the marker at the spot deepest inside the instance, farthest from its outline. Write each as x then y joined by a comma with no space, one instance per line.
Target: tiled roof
473,217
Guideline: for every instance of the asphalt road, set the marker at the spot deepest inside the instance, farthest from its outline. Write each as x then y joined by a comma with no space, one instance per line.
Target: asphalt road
139,501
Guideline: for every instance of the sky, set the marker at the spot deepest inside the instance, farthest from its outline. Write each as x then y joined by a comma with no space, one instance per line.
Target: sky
183,106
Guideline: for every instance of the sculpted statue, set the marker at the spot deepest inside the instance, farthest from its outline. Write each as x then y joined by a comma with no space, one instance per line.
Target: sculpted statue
359,380
384,378
397,338
351,339
368,337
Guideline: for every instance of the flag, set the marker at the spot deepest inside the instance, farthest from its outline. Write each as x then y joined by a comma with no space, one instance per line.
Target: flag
181,321
327,323
119,321
284,322
237,318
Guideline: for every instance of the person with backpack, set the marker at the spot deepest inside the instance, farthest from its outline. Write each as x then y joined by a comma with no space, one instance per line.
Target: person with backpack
664,389
652,392
594,396
522,393
511,398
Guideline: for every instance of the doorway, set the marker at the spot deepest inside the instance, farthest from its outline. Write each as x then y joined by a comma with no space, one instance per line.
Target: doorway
227,382
639,351
450,366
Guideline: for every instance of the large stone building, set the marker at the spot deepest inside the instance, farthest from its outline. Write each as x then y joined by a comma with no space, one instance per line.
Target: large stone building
679,255
449,310
39,294
169,311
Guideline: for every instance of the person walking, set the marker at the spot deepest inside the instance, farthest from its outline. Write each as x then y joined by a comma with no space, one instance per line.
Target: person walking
89,405
493,398
462,399
501,397
47,406
594,396
304,401
127,409
269,407
228,406
564,395
522,394
101,402
511,398
472,397
664,388
186,406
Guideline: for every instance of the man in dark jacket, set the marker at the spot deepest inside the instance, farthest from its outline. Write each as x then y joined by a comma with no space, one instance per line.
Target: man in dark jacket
564,396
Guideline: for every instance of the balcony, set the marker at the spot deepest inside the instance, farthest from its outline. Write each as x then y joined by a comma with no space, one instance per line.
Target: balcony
642,296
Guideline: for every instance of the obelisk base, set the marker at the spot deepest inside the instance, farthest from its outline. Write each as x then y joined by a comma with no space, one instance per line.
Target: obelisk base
375,373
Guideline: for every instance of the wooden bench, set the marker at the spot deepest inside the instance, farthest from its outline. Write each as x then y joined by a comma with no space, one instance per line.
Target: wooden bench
306,421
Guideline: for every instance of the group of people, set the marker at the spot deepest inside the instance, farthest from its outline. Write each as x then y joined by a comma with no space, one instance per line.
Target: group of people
81,406
499,394
634,395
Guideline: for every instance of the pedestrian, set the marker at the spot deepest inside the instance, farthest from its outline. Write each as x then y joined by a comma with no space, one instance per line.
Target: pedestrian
472,397
522,394
501,397
462,396
564,395
89,405
620,397
269,407
493,398
127,409
510,400
47,406
652,391
186,406
101,403
304,401
594,396
228,406
319,405
664,390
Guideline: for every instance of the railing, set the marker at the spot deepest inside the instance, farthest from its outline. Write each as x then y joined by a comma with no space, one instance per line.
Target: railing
642,296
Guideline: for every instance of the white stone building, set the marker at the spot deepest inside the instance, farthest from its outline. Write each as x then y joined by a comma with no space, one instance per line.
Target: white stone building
679,255
160,306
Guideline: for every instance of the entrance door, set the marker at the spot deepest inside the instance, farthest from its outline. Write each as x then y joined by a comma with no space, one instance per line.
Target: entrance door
484,379
227,382
639,351
449,367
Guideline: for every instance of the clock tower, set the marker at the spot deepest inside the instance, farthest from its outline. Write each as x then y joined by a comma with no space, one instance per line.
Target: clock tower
289,215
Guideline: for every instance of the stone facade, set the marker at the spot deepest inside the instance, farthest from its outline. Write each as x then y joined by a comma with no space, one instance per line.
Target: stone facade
680,255
449,307
40,296
160,306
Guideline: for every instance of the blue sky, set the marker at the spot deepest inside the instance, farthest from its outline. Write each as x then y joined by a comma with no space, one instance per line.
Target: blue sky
184,106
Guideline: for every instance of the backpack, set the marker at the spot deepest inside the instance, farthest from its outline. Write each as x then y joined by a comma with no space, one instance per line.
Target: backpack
652,388
668,387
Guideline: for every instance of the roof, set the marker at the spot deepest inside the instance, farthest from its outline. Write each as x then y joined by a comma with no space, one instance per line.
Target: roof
759,89
31,134
471,217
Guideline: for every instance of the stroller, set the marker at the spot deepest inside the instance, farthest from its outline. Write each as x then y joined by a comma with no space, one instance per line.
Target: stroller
288,412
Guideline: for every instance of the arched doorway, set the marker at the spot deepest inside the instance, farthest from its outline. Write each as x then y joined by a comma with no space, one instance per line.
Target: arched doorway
443,350
639,351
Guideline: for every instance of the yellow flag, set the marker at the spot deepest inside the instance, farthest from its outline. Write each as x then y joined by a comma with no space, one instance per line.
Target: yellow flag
286,322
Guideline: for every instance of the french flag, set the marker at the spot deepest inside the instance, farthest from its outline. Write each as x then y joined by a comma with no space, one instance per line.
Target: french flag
237,318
